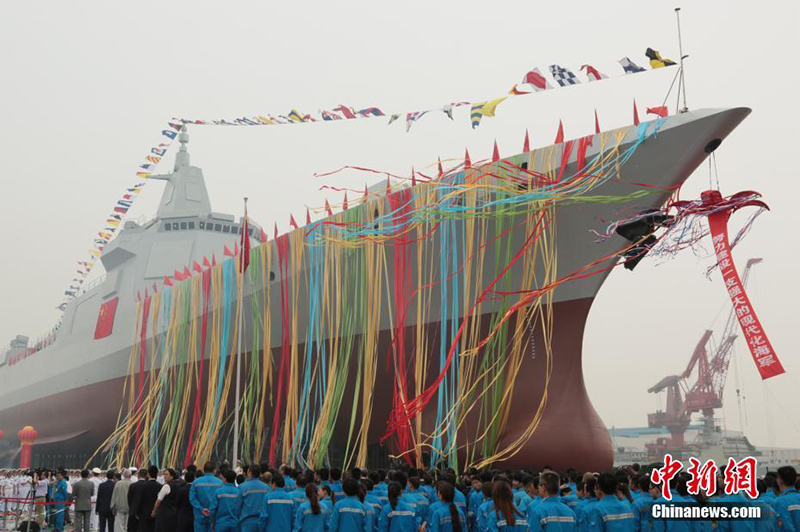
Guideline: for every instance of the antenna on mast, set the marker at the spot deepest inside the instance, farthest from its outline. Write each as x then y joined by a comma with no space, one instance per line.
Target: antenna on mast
682,80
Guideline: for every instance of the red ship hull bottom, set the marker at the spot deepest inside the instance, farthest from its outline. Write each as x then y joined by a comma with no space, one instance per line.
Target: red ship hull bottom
73,424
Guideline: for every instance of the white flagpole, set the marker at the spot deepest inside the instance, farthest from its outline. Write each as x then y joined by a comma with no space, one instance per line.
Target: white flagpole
682,84
239,327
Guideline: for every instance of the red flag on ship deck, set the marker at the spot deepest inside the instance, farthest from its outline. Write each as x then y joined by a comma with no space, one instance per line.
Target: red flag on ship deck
244,259
105,319
661,111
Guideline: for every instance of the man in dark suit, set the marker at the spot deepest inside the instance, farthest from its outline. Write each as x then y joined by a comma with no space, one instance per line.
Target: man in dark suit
147,501
185,510
104,493
82,492
134,500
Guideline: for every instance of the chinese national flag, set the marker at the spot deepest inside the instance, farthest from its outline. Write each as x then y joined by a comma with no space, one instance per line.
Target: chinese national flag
105,320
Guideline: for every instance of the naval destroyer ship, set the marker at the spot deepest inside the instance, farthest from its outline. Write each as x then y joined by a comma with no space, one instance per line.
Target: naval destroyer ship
70,387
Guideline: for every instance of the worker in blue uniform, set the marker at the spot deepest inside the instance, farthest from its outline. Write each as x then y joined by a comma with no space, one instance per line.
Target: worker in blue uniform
529,493
587,503
379,487
202,495
610,514
349,513
414,490
568,497
643,504
485,507
371,500
736,525
299,492
278,508
445,515
312,515
253,491
227,505
768,522
397,515
787,504
60,497
336,483
474,500
323,477
550,514
673,525
505,517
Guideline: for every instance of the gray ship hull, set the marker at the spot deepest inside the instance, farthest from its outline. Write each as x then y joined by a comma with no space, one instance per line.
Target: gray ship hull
71,391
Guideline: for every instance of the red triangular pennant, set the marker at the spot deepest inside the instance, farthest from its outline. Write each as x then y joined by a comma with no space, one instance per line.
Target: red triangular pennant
344,204
186,272
308,216
167,281
467,161
441,172
227,252
526,146
388,187
328,208
413,177
177,275
292,223
596,122
495,153
206,264
560,133
196,267
635,114
263,235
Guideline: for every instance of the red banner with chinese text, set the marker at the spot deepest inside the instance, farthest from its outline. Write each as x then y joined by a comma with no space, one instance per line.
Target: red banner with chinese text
764,356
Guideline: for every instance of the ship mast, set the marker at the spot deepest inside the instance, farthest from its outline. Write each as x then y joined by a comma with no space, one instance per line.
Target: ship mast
681,80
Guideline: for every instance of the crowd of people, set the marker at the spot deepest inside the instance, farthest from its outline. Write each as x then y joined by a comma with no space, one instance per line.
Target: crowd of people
258,498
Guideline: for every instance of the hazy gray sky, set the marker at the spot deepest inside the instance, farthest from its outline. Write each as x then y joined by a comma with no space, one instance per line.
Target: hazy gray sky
86,87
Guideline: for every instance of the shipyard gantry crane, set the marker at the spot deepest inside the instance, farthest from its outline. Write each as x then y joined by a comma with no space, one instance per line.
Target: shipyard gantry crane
704,396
